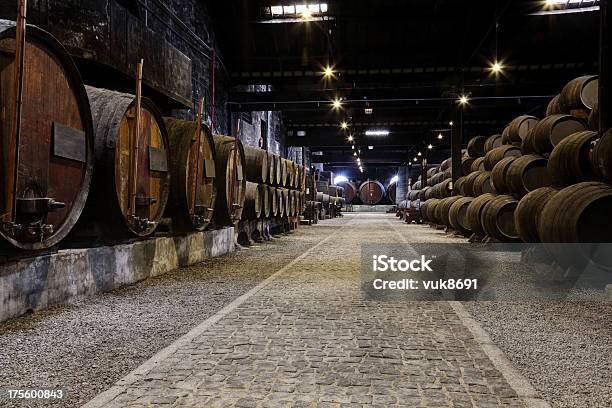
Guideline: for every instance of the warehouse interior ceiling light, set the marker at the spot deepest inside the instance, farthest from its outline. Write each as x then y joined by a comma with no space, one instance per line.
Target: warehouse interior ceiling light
377,132
340,179
552,7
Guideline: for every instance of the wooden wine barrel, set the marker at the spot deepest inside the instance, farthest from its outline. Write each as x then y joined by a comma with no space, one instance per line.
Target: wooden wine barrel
265,200
256,166
432,171
474,212
280,202
299,174
130,187
527,214
594,118
498,175
252,202
446,164
289,173
475,147
527,146
391,189
492,142
443,210
552,129
350,190
602,157
466,165
41,205
518,129
468,184
413,195
526,174
230,181
482,183
287,202
371,192
458,186
284,172
293,197
417,186
478,164
570,161
272,202
554,108
579,95
497,218
443,189
457,215
428,210
192,170
277,171
302,202
496,155
578,213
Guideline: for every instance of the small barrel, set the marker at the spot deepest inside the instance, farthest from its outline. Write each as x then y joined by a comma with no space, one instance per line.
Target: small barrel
192,170
425,194
526,174
350,190
443,189
527,146
475,147
552,129
252,202
443,210
466,165
478,164
602,157
553,108
496,155
492,142
131,183
482,183
413,195
293,199
446,164
230,181
579,95
265,201
497,218
391,189
256,166
56,143
272,202
428,210
519,128
458,186
468,184
371,192
570,161
457,215
432,171
417,186
528,211
499,173
474,212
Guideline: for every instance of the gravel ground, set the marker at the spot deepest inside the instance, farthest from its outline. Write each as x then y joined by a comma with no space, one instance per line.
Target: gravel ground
563,348
87,346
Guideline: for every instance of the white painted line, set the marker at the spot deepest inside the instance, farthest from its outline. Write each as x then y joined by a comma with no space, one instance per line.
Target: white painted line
519,383
107,396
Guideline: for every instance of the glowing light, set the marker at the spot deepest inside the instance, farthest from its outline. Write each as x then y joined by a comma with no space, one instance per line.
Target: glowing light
344,125
361,169
306,15
377,133
414,160
353,147
337,103
328,72
350,139
370,147
440,136
419,154
463,100
450,123
430,146
354,153
394,180
340,179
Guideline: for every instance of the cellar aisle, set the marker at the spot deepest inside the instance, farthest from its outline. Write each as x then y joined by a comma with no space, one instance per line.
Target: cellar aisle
306,335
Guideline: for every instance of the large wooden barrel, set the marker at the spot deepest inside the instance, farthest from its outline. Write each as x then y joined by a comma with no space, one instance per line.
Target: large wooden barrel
466,165
478,164
482,183
570,161
437,178
499,173
284,172
432,171
275,161
256,167
287,202
443,210
417,186
519,128
527,173
492,142
265,201
192,170
230,181
391,189
446,164
350,190
468,184
272,202
496,155
41,204
475,147
457,215
252,202
443,189
579,96
428,209
552,129
371,192
332,190
474,211
497,218
294,198
413,195
527,214
527,146
280,202
131,183
302,202
425,193
602,157
458,186
553,107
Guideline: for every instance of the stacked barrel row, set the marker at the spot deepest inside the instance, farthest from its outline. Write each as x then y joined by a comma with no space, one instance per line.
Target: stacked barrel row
324,198
539,181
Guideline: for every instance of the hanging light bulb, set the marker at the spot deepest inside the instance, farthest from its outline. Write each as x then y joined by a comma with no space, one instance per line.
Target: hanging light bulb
419,154
440,137
430,146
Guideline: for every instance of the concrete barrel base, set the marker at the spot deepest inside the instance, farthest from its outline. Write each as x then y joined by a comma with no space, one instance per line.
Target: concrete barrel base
41,282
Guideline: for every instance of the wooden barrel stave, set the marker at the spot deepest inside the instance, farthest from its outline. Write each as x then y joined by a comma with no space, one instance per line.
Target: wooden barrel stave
474,212
475,147
497,218
252,202
519,128
272,201
256,167
499,173
492,142
579,95
528,213
230,180
482,183
569,163
457,215
526,174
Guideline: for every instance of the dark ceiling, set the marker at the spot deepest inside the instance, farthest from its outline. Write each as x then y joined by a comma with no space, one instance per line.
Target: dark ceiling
408,61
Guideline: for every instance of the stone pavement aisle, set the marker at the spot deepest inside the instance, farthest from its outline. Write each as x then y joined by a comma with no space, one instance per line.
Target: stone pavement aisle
306,337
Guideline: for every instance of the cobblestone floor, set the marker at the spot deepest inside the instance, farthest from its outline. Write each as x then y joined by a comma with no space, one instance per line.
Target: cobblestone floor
307,337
